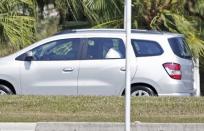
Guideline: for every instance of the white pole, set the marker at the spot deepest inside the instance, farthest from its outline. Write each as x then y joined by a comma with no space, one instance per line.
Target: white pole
127,23
125,14
197,77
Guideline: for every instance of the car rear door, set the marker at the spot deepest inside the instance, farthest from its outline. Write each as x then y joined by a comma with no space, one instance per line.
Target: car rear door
102,68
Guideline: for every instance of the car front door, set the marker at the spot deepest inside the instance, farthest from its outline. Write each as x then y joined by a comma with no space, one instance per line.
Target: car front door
102,68
53,70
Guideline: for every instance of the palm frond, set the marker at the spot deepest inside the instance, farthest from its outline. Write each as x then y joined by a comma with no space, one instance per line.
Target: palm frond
17,24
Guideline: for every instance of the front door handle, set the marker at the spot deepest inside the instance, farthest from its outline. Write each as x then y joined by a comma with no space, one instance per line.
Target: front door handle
122,69
68,69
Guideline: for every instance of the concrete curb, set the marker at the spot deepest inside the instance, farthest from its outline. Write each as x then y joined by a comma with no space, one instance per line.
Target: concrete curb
17,126
82,126
170,127
92,126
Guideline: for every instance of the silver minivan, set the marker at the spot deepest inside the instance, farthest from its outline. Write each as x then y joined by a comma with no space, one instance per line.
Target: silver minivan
92,62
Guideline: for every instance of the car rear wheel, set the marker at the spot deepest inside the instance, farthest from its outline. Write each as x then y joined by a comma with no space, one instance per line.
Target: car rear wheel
4,90
141,91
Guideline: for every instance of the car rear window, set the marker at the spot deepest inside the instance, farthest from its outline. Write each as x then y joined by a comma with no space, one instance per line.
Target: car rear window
144,48
180,47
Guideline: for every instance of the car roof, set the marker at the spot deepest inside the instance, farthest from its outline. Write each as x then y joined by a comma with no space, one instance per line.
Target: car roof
117,31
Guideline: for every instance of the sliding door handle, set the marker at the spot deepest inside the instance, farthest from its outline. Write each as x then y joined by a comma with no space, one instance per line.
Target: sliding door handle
68,69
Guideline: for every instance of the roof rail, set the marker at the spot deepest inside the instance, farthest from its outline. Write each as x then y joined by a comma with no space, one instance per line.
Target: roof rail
108,30
146,31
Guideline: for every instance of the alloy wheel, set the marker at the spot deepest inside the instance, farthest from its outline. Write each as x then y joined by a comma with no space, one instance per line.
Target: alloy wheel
140,93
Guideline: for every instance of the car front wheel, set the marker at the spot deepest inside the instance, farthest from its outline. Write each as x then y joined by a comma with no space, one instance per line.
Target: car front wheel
4,90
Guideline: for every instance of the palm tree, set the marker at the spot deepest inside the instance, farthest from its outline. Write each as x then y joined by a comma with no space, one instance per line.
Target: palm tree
180,16
95,11
107,12
17,22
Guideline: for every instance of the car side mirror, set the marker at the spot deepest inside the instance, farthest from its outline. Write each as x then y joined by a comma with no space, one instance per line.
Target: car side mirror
29,56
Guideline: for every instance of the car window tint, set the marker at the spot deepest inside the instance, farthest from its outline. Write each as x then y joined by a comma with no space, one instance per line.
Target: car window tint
105,48
66,49
180,47
144,48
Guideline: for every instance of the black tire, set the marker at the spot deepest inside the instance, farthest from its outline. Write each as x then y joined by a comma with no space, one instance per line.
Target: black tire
142,91
4,90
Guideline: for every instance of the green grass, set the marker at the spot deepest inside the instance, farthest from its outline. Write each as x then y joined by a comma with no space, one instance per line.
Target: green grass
100,109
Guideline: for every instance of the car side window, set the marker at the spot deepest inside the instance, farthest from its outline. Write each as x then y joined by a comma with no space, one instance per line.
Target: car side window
65,49
105,48
144,48
180,47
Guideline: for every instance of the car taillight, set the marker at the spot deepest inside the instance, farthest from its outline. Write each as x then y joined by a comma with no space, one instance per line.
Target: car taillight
173,70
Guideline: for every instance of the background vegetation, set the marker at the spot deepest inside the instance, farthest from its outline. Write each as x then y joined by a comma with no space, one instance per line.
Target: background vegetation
24,21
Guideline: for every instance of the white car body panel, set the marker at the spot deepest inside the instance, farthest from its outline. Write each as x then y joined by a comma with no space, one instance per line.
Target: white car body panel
49,77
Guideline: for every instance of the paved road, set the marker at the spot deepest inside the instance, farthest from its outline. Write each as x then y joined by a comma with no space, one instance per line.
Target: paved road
17,126
84,126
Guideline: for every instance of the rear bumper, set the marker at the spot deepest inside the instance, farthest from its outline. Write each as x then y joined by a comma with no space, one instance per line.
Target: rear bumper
171,87
192,93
